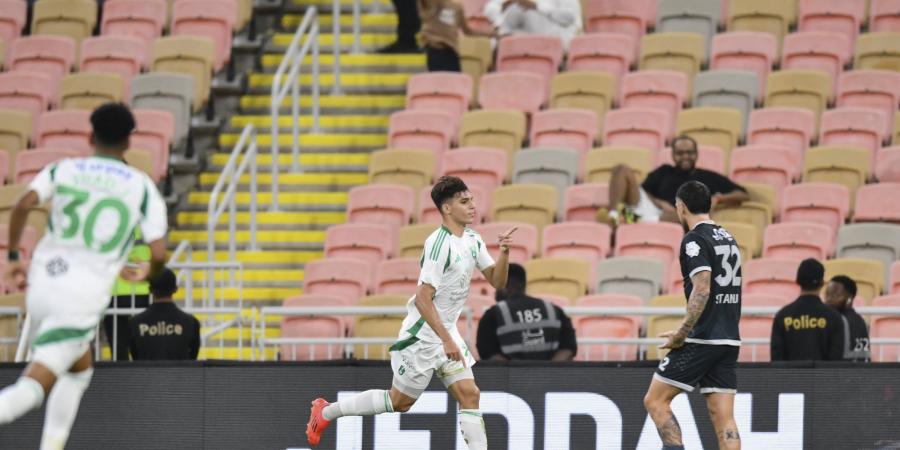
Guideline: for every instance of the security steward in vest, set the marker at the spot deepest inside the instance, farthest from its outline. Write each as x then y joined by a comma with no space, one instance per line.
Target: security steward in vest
163,331
127,295
523,327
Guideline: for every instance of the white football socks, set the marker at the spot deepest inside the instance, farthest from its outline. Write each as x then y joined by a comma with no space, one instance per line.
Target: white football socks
472,426
62,407
367,403
19,398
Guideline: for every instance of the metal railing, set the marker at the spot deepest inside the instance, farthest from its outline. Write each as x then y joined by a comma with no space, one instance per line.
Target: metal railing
287,79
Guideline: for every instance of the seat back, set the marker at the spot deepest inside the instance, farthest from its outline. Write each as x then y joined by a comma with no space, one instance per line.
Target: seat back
769,16
581,240
564,128
680,52
636,127
522,91
313,327
878,51
476,56
73,18
877,89
504,129
691,16
755,327
531,53
872,241
610,53
52,55
878,203
824,203
207,18
411,239
775,166
143,19
346,278
566,277
663,322
847,166
582,201
13,16
412,168
592,90
424,129
800,88
715,126
30,163
154,132
385,204
736,89
638,276
661,89
15,132
165,92
840,17
797,240
651,240
868,274
523,248
553,167
816,50
480,167
377,327
630,18
747,237
397,276
600,162
123,55
854,127
31,92
90,90
143,160
190,55
752,51
536,204
608,327
366,241
445,91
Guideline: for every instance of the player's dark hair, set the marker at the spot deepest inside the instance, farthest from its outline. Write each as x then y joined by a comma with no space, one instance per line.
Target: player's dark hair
811,275
516,279
695,195
112,124
847,282
445,189
164,284
684,138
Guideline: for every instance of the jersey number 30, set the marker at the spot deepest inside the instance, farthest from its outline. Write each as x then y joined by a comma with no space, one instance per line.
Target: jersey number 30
730,270
80,197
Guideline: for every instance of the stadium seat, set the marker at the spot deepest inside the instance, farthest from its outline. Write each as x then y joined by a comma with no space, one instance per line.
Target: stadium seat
755,327
581,240
422,129
568,128
377,326
502,128
524,246
680,52
641,277
124,55
476,57
481,167
474,14
708,157
530,53
143,19
89,90
611,53
689,16
522,91
884,15
808,89
143,160
13,15
745,50
445,91
833,16
878,203
868,274
479,304
413,168
207,18
782,126
662,89
636,127
759,211
165,92
582,201
878,51
887,165
718,127
411,239
885,327
190,55
536,204
798,240
600,162
736,89
662,323
895,278
15,130
567,277
824,203
649,240
31,92
588,327
27,242
871,241
370,242
9,197
626,17
31,162
428,212
154,133
848,166
854,127
774,276
816,50
387,204
553,167
775,166
73,18
320,326
52,55
5,165
769,16
878,89
594,91
65,129
397,276
747,237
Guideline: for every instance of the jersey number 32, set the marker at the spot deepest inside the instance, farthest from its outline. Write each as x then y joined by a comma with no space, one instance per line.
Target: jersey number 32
731,264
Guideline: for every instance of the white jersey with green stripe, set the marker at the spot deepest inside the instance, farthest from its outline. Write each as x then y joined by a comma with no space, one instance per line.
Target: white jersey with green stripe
447,263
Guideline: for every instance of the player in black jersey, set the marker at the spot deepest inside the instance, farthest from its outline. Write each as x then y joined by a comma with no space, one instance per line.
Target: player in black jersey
704,350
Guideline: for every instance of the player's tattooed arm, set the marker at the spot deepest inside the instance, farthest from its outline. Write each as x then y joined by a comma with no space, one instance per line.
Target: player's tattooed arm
696,304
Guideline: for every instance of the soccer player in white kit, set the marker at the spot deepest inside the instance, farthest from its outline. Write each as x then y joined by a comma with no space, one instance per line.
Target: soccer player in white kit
429,343
95,205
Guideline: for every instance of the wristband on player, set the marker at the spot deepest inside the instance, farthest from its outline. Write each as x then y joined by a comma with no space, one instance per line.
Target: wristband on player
12,255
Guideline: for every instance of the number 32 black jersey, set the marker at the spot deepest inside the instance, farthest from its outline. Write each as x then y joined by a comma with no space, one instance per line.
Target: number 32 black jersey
709,247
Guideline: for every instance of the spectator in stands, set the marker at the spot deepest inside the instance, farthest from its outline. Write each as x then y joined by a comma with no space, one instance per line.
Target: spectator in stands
523,327
839,295
127,295
654,199
442,21
808,329
163,331
561,18
408,25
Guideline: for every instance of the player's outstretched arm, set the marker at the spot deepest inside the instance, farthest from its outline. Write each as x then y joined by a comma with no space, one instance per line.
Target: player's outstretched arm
15,272
425,305
696,305
497,274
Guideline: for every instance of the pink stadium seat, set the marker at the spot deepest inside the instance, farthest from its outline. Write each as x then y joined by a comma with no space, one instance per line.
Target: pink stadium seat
824,203
12,19
878,89
885,15
27,242
782,126
636,127
32,92
816,50
524,246
766,164
428,212
124,55
532,53
69,129
386,204
29,163
745,50
676,281
775,276
588,241
612,53
708,157
895,278
661,89
582,201
154,133
878,203
421,129
313,327
564,128
652,240
513,90
885,327
346,278
207,18
608,327
51,55
397,276
751,327
480,286
798,240
629,17
887,166
853,127
474,12
480,167
143,19
443,91
370,242
837,16
478,304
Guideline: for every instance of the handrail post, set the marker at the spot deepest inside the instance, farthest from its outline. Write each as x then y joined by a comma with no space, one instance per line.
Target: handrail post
252,154
315,79
295,114
336,47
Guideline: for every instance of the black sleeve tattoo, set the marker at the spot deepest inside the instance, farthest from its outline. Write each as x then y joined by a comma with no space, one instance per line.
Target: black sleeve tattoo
670,432
697,303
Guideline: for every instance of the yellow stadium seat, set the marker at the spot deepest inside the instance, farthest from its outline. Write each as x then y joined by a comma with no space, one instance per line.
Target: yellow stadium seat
896,134
709,125
747,237
662,323
878,51
373,326
536,204
407,167
599,163
677,51
9,196
848,166
191,55
476,56
763,193
768,16
244,14
757,214
799,88
73,18
140,159
411,239
9,327
496,128
566,277
584,90
15,132
867,273
88,90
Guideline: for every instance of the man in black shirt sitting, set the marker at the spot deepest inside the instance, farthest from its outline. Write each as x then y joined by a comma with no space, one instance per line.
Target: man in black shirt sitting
523,327
163,331
654,199
839,295
808,329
